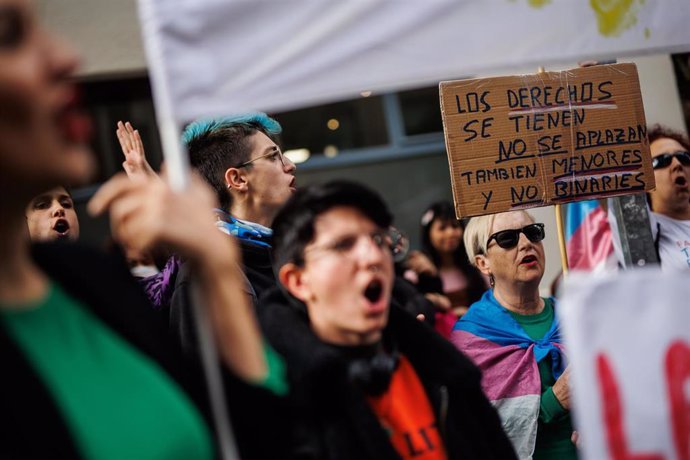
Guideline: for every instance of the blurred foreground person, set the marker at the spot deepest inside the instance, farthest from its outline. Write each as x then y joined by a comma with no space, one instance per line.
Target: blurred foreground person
89,370
514,337
51,216
367,380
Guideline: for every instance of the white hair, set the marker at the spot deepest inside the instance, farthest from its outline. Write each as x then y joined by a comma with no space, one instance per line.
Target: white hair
477,234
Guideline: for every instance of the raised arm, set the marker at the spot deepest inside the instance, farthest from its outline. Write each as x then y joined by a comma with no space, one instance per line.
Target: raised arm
135,165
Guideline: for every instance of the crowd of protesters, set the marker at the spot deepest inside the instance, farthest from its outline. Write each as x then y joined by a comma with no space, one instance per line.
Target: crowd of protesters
326,350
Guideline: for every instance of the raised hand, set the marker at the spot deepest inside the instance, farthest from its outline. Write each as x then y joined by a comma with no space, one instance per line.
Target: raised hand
135,165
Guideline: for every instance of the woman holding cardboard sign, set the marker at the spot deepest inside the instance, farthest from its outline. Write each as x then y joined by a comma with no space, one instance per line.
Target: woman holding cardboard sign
513,335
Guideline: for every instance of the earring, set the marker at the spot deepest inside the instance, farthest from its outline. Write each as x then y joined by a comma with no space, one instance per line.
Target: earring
492,281
227,186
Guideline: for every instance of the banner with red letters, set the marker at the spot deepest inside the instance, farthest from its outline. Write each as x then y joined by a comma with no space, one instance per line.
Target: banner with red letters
628,341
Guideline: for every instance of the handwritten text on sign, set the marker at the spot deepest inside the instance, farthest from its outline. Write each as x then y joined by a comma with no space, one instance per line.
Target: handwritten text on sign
553,137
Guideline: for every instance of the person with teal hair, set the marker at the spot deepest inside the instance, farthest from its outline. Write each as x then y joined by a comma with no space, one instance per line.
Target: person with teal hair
240,157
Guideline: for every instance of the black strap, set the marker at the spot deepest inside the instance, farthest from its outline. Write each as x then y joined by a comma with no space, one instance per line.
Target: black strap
656,241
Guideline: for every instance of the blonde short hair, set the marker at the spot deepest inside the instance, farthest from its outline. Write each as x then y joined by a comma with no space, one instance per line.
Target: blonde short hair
477,234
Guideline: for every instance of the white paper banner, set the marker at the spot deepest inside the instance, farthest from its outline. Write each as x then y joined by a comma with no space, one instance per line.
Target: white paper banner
222,56
628,340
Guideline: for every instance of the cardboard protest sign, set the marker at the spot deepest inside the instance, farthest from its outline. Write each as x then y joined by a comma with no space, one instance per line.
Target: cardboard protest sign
628,342
553,137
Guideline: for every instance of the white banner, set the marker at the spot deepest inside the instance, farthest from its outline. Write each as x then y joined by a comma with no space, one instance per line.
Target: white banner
221,56
628,340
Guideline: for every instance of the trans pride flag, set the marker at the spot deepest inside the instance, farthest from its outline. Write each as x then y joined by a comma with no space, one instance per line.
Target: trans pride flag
588,237
508,359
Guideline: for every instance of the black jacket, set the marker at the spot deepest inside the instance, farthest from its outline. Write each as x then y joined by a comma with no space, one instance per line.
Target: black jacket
257,262
259,277
332,419
267,419
32,425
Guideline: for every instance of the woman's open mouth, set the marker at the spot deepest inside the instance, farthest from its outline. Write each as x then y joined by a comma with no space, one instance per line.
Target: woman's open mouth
61,227
73,122
529,260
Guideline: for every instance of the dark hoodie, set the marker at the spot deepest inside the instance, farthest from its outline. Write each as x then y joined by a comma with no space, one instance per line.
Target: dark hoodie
331,419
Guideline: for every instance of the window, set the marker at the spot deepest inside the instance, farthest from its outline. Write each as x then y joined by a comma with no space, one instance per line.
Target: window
330,129
681,64
109,101
421,111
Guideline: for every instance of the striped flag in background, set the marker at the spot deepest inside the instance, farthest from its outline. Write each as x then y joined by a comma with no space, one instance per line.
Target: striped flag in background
588,237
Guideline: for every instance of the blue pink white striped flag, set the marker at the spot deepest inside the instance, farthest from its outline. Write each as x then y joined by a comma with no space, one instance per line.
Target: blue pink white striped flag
588,237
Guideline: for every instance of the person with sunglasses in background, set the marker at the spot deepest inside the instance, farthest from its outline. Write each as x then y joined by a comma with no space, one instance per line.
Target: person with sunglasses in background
512,328
88,370
670,201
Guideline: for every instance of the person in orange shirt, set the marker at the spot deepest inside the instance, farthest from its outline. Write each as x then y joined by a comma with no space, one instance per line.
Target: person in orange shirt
367,379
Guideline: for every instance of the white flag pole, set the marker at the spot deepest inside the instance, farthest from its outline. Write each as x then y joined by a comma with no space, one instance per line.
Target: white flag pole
177,167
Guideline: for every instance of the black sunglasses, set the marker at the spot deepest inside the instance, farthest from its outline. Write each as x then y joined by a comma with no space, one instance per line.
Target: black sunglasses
508,239
665,159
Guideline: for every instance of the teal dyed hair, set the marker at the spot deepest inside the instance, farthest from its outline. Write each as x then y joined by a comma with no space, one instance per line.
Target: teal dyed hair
204,126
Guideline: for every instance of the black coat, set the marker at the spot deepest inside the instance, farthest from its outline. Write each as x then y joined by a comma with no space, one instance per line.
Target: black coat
32,425
256,414
332,419
259,278
257,262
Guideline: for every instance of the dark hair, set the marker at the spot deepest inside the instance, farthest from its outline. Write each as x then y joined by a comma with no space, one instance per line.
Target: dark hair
657,132
293,227
215,145
445,212
68,189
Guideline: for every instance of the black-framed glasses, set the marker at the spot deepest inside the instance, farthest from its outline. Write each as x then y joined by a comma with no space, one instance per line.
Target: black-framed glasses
345,245
508,239
665,159
272,153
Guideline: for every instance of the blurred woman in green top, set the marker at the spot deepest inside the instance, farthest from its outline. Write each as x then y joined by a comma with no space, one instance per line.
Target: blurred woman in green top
87,368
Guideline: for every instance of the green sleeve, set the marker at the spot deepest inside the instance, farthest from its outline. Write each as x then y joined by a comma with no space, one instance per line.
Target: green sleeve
276,378
550,408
